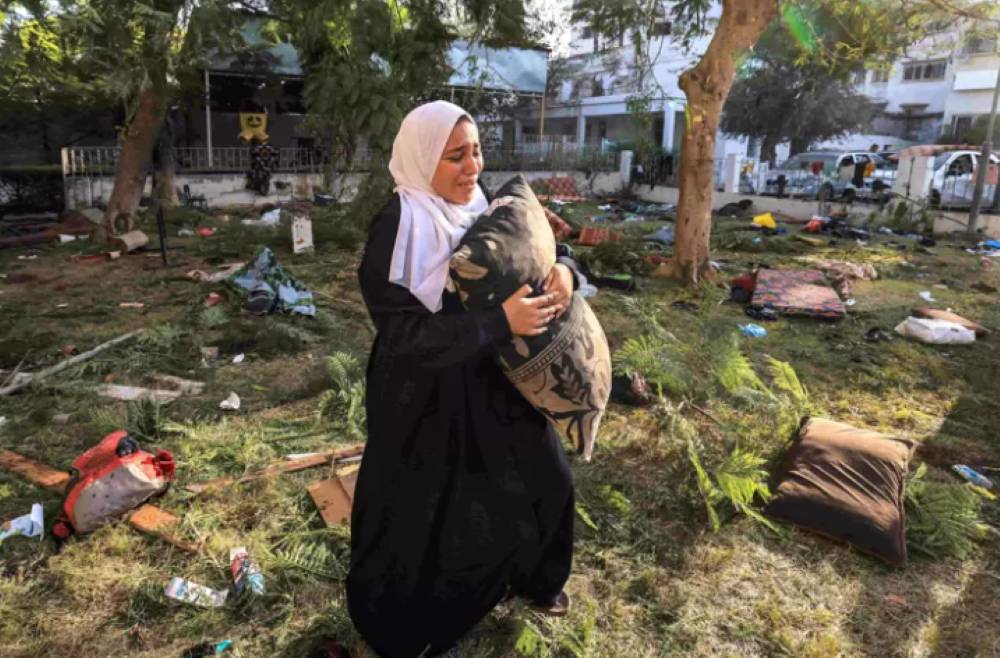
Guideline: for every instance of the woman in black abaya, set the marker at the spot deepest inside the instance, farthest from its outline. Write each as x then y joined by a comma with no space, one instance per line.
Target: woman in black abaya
465,495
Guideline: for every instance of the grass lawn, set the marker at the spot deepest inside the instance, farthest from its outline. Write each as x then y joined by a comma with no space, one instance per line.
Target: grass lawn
651,577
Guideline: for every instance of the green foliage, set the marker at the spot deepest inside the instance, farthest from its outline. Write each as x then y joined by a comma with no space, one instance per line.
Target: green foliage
942,519
657,358
344,403
312,557
212,317
145,419
732,369
738,481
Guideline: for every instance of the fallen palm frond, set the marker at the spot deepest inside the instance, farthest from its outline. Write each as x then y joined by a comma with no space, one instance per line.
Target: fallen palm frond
739,481
943,519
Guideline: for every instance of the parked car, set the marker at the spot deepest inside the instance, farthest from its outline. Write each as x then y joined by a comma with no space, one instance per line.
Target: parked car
954,181
806,175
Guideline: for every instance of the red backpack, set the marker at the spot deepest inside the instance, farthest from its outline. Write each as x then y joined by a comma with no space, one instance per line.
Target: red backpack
111,478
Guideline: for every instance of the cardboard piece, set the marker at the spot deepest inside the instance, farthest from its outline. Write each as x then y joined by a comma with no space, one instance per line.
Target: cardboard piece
152,520
349,481
302,235
332,500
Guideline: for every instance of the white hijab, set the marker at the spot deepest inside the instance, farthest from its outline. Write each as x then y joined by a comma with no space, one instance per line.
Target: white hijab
429,227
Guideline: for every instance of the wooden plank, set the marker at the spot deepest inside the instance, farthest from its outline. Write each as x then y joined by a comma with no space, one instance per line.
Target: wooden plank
33,470
152,520
349,481
277,468
332,500
133,393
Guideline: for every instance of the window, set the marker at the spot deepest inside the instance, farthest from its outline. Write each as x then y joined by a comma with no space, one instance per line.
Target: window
961,127
880,76
924,70
662,28
597,86
975,45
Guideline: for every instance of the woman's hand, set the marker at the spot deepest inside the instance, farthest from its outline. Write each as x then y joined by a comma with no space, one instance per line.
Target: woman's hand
560,282
529,317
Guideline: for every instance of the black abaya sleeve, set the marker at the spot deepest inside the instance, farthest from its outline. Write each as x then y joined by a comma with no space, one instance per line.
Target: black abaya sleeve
407,328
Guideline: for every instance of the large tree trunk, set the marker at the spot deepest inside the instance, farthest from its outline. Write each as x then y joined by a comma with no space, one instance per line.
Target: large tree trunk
706,87
130,179
166,167
769,150
798,145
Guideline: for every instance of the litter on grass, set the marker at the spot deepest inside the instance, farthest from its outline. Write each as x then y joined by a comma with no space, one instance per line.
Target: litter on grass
236,359
935,332
181,589
927,296
971,475
246,573
231,403
30,525
753,330
270,288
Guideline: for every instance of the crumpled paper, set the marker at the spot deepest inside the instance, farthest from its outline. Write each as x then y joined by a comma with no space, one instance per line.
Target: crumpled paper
29,525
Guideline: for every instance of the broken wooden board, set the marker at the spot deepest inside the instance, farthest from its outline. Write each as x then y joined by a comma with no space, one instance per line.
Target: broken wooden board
133,393
184,386
349,481
332,500
33,470
148,518
154,521
277,468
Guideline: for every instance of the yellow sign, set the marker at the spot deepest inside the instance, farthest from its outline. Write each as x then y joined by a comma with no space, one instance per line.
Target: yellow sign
253,126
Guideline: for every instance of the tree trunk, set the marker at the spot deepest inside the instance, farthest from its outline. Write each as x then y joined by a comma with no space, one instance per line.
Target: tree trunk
166,165
130,179
706,87
798,145
769,150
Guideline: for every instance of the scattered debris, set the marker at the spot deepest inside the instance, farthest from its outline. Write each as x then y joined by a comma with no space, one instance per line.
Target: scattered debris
206,649
212,298
131,241
206,232
663,236
239,358
133,393
231,403
114,255
591,237
332,500
185,233
927,296
935,332
875,335
938,314
112,478
184,590
973,476
309,461
302,235
61,419
72,361
185,386
223,273
797,292
246,573
29,525
131,305
210,352
765,220
152,520
753,330
270,288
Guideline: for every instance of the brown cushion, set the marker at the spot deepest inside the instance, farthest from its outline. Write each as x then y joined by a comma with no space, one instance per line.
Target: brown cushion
938,314
847,484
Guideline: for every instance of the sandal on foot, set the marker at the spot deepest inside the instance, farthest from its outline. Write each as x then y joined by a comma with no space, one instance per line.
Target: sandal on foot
558,607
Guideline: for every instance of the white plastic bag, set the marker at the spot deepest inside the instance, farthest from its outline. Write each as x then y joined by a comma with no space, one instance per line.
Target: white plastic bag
936,332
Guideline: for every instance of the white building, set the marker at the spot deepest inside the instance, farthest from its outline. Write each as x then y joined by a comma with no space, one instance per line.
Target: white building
591,107
945,82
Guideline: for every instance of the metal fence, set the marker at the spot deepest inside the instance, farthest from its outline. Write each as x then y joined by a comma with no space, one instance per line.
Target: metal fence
103,160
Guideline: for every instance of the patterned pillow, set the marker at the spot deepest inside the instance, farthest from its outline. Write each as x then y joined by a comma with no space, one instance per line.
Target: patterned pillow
566,372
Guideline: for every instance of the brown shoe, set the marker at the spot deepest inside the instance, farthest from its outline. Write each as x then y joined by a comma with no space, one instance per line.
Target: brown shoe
559,607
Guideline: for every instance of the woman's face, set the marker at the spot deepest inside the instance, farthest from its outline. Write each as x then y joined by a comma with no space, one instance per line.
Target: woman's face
458,169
